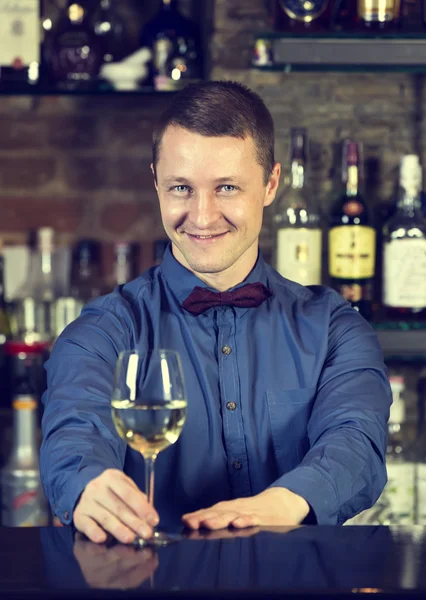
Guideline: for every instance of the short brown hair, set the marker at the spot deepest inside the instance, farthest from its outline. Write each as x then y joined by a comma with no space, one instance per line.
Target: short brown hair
216,108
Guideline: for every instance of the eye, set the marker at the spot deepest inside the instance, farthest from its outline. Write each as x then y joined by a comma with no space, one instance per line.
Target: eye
228,188
180,189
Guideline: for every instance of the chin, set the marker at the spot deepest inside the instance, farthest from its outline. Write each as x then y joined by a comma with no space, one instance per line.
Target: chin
205,266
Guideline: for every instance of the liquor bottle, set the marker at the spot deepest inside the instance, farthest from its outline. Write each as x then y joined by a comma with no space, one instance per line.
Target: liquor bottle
111,31
123,269
297,219
379,15
73,50
33,303
86,283
352,239
176,49
396,504
302,17
23,500
404,247
20,47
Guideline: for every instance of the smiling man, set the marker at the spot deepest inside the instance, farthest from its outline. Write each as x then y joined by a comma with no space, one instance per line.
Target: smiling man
288,397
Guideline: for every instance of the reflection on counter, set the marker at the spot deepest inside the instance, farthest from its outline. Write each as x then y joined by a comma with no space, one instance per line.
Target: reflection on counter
309,558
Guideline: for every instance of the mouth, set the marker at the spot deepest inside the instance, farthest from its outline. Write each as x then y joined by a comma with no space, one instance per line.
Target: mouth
206,238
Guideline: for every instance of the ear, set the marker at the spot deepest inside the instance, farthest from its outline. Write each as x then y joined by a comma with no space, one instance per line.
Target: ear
272,186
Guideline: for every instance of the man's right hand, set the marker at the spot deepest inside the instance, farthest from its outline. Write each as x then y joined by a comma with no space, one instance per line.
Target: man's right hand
112,503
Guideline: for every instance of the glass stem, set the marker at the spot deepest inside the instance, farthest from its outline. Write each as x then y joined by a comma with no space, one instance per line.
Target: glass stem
149,477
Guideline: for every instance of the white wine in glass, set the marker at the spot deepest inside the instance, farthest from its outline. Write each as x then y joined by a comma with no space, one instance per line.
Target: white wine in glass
149,409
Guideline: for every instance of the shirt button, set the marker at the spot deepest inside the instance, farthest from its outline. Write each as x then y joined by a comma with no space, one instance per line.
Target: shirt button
66,514
226,350
231,405
237,465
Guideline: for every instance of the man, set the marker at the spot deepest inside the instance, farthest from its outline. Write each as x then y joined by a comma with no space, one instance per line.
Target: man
288,397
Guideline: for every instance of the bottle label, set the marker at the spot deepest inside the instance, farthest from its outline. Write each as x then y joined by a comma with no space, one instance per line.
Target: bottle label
404,268
19,33
23,502
352,252
302,10
299,254
378,10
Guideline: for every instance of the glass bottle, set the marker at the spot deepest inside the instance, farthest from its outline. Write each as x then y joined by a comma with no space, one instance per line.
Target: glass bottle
23,500
123,268
74,51
86,283
111,31
351,238
404,247
396,504
20,44
297,219
379,15
33,304
299,16
176,48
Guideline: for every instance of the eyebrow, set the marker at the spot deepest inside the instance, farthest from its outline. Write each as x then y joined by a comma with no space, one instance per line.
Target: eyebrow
182,180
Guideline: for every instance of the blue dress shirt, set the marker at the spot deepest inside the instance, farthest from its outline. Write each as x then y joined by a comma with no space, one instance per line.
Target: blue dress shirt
293,393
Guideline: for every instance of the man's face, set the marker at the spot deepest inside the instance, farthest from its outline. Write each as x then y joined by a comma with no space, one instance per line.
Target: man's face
212,195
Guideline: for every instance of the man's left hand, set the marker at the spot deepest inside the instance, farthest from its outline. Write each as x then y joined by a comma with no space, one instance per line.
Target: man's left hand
275,506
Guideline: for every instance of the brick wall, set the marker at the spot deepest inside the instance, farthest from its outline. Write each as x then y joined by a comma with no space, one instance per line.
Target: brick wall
82,164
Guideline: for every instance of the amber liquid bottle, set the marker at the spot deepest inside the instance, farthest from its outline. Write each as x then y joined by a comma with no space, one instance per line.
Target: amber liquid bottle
379,16
299,16
352,239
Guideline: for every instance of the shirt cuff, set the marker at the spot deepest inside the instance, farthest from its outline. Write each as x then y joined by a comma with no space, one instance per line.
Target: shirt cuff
318,493
65,505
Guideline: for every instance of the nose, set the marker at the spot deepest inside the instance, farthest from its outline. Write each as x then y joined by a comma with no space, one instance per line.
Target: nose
203,211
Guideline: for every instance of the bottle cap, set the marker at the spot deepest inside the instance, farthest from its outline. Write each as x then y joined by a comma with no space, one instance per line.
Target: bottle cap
397,383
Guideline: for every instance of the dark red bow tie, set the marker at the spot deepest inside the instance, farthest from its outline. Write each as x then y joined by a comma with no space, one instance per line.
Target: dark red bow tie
248,296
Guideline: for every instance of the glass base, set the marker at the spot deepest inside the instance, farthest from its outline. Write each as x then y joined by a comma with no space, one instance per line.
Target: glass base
160,538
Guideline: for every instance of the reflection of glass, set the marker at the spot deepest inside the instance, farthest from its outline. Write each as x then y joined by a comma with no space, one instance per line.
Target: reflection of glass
312,559
149,410
116,567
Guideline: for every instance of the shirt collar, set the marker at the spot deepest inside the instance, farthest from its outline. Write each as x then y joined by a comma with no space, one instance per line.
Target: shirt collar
181,281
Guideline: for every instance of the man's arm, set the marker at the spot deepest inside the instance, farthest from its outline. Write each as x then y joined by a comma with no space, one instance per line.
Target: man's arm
344,471
80,444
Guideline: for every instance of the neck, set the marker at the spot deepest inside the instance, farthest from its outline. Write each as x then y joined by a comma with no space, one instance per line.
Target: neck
230,277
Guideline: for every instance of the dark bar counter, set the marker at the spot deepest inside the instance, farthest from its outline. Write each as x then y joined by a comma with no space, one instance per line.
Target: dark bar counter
310,561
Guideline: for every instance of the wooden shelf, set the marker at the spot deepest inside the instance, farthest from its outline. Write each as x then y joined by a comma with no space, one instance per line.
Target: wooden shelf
402,341
346,52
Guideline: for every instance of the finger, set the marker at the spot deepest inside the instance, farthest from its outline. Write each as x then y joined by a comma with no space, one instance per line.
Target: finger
245,521
113,504
111,524
130,494
90,528
219,521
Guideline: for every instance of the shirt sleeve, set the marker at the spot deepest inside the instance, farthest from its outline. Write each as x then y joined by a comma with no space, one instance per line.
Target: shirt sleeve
79,438
344,471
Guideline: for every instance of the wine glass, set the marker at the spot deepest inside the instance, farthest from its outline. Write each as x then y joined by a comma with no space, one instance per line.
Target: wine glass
149,409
